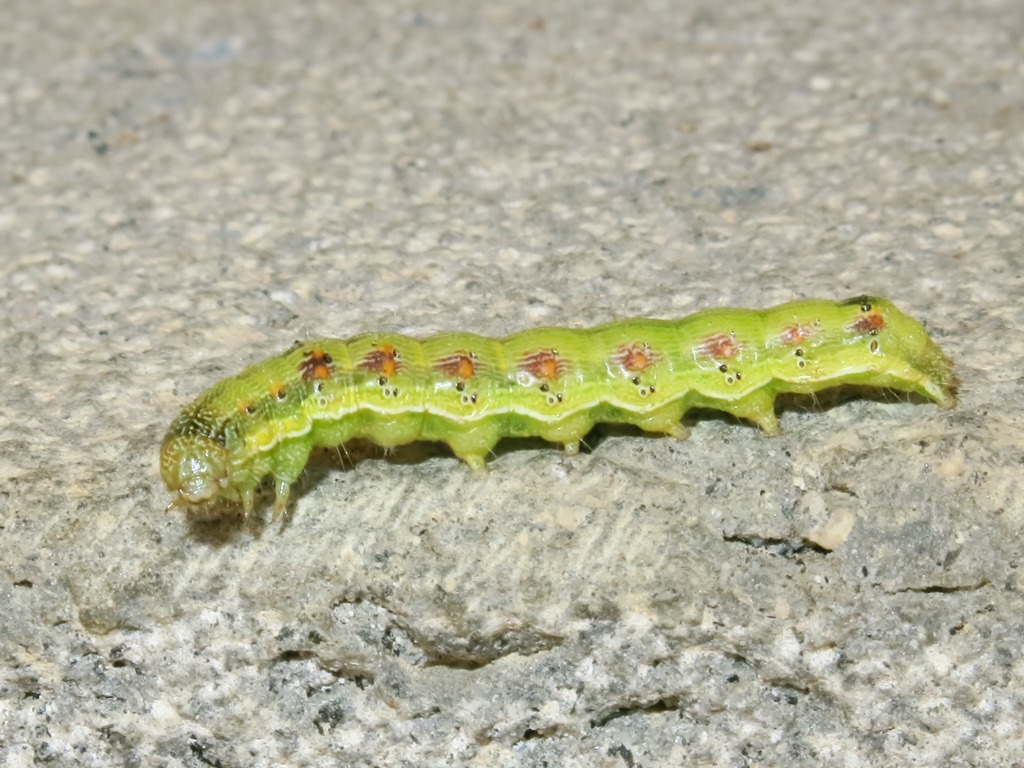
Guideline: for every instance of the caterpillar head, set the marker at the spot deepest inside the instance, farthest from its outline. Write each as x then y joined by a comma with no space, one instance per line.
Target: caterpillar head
194,468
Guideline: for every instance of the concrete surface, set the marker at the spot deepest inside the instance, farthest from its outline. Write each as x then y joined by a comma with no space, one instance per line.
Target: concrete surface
188,187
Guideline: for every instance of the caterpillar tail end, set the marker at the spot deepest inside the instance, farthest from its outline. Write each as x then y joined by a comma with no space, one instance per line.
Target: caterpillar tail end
938,380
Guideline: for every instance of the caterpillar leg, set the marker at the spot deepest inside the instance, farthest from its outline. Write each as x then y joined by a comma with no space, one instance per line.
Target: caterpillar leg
569,432
475,461
677,431
288,462
758,407
665,420
472,446
248,497
282,488
768,422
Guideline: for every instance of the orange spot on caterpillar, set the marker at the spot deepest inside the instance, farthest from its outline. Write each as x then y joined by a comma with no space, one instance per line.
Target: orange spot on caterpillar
635,358
795,335
316,365
277,391
246,406
544,364
384,359
870,324
720,347
460,364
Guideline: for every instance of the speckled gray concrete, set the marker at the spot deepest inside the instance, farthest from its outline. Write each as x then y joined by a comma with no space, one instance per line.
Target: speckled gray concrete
188,189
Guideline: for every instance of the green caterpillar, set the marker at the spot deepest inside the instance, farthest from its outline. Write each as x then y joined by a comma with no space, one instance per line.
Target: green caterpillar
470,391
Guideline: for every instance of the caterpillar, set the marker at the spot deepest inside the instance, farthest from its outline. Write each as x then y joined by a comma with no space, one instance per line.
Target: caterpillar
470,391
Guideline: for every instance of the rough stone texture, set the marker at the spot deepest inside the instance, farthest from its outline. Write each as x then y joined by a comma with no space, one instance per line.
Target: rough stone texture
188,187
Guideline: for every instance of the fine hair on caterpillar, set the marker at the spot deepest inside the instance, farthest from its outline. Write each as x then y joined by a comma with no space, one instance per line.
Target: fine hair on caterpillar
470,391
